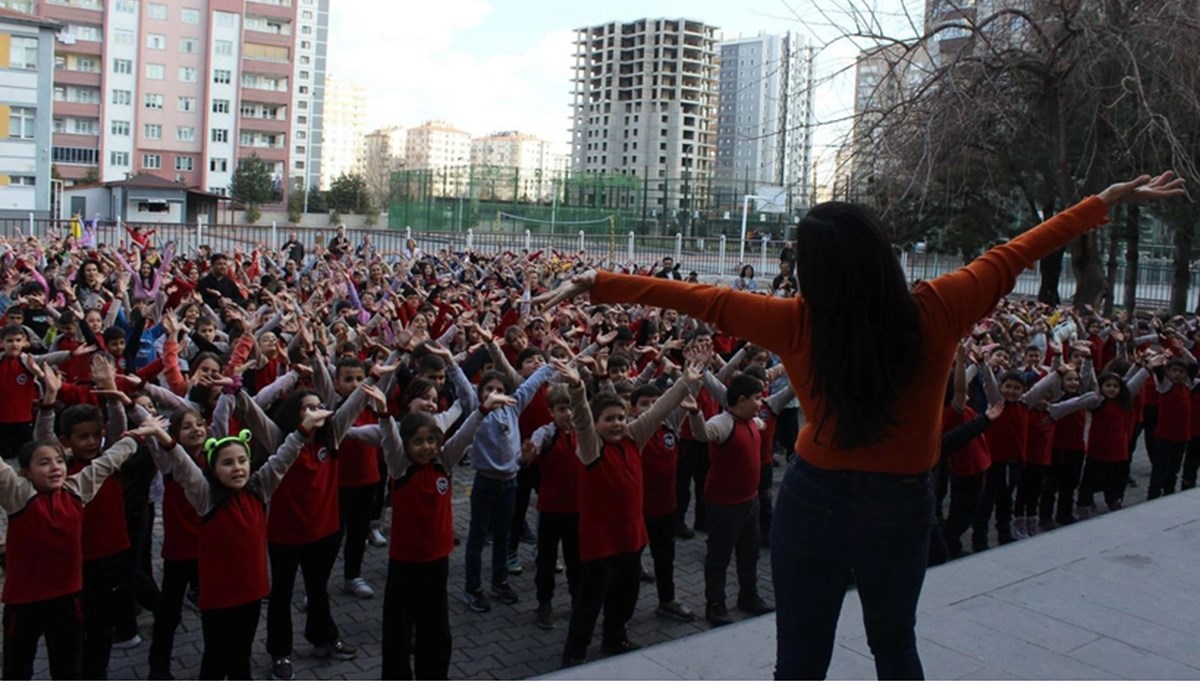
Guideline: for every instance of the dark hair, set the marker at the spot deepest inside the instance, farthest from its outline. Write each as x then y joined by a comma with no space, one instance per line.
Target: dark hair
218,256
414,421
512,333
113,333
430,364
416,388
494,376
756,371
557,394
76,415
30,288
288,418
862,323
25,456
606,400
200,358
1012,375
742,273
623,387
1123,398
742,385
348,363
11,330
648,390
176,422
528,353
624,335
647,328
619,361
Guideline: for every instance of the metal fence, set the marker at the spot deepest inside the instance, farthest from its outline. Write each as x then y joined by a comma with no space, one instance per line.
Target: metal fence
713,259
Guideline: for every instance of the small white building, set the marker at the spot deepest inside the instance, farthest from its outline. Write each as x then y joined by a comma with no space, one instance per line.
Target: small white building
26,93
143,198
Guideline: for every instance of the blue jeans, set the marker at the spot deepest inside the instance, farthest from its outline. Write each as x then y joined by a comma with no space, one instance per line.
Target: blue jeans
829,527
492,503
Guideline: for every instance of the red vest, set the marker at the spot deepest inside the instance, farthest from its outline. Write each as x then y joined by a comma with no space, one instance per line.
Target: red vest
536,414
232,550
975,457
1174,415
610,510
734,469
181,523
305,507
20,392
358,463
1006,436
1068,432
1041,438
1108,435
708,408
45,554
104,528
561,471
422,518
660,458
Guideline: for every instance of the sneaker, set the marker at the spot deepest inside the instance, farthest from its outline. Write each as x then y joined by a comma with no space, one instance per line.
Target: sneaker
281,669
558,566
339,650
505,593
619,647
358,588
676,611
1004,535
514,566
568,661
477,601
647,578
1046,524
685,532
717,614
1083,512
754,605
545,616
1065,520
128,643
376,538
1020,528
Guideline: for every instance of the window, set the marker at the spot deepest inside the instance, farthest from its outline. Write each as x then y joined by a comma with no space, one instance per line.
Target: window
18,5
126,7
187,104
246,139
22,180
187,74
156,41
306,15
266,52
21,123
122,66
225,19
88,32
302,120
304,89
189,46
220,135
84,126
118,158
218,165
123,37
152,161
154,101
222,76
155,10
305,45
224,48
74,156
120,128
219,191
123,97
185,133
152,131
189,15
23,53
305,60
156,71
304,75
87,65
306,30
220,106
184,163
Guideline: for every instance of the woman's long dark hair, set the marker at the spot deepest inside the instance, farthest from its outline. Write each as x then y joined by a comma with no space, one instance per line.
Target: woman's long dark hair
288,418
861,321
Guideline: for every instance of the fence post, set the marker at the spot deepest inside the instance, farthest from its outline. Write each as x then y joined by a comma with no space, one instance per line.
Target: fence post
904,266
678,246
274,236
721,257
31,234
630,248
581,240
762,258
407,235
528,241
199,232
470,239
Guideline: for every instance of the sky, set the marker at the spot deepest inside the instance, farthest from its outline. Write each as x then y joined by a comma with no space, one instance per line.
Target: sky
491,65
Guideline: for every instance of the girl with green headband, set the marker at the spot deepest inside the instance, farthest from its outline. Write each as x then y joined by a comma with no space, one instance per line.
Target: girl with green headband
232,503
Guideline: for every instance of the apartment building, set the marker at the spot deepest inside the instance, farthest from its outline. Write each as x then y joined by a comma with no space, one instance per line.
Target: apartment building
344,128
445,151
183,89
26,91
534,165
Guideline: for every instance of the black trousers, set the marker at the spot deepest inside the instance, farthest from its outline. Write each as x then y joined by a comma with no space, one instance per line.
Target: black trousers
316,560
1165,460
941,485
661,531
999,486
1191,463
381,498
228,638
692,469
610,583
106,590
1058,494
1107,477
766,481
965,493
732,530
555,529
415,605
528,480
60,620
355,506
1029,489
178,575
787,429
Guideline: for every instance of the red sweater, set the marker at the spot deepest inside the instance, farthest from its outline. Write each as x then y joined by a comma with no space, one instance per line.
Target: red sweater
232,550
45,555
660,459
423,525
610,509
734,467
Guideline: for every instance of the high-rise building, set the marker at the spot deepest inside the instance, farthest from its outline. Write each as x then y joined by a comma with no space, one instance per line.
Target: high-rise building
384,154
644,106
26,92
344,128
764,120
443,150
531,161
184,89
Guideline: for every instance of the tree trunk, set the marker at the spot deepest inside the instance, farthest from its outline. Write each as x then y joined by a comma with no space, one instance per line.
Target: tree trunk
1051,268
1133,232
1089,271
1110,278
1181,281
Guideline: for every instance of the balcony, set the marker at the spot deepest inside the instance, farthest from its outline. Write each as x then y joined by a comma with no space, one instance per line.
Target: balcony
76,109
271,125
85,78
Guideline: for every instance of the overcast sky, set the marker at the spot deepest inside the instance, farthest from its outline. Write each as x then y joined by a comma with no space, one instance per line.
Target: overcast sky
489,65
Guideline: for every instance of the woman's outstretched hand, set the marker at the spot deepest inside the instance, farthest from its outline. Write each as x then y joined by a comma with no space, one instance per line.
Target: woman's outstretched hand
1144,189
579,284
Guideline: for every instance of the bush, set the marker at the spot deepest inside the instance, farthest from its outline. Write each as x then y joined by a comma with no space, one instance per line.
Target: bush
335,217
253,213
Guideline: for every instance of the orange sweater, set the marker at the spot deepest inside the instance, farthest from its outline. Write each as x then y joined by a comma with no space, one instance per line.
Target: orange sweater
948,307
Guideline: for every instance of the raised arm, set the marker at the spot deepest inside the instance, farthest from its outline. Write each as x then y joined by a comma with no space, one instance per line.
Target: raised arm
715,387
255,419
86,483
456,447
1042,388
271,473
990,387
642,428
585,428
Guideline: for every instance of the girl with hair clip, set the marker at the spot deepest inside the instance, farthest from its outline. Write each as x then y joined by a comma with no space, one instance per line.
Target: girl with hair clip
232,541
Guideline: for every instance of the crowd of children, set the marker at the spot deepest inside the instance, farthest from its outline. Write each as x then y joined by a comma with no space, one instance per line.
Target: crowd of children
272,406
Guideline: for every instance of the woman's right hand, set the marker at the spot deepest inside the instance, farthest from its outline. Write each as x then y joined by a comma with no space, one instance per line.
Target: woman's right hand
1143,189
579,284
